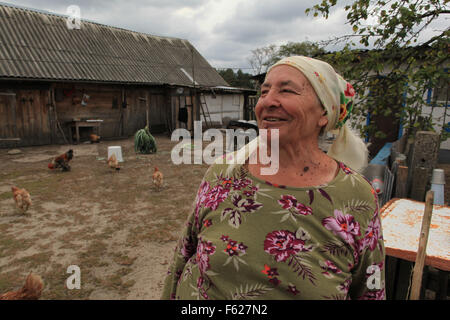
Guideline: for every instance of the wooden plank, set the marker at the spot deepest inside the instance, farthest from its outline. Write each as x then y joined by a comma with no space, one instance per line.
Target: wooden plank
401,186
419,183
421,252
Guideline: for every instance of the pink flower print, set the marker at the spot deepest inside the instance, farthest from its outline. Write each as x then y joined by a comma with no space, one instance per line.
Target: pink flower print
239,184
329,268
342,225
241,206
345,286
204,250
234,251
216,196
201,290
371,236
344,168
242,247
282,244
231,249
293,289
251,192
287,201
290,203
270,272
201,198
275,281
207,223
303,210
187,249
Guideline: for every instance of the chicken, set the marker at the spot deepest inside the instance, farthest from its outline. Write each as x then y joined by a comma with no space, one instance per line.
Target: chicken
62,161
113,163
31,290
94,138
158,178
22,198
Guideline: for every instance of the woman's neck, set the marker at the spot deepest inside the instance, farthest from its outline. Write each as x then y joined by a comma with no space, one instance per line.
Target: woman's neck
302,164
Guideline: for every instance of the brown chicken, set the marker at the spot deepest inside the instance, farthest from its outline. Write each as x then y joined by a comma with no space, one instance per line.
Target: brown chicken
31,290
113,163
62,161
158,178
22,198
94,138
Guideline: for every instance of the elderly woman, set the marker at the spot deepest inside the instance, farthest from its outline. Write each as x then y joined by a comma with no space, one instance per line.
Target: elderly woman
312,229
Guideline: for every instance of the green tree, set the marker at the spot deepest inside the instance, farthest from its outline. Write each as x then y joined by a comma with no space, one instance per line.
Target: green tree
306,48
262,58
391,62
238,79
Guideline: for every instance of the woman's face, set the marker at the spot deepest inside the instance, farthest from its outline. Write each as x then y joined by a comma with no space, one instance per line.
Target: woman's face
289,103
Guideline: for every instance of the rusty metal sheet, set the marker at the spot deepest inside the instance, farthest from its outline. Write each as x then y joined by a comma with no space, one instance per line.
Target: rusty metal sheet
402,222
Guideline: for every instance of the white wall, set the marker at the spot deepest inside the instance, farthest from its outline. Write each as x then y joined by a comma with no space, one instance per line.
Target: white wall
225,105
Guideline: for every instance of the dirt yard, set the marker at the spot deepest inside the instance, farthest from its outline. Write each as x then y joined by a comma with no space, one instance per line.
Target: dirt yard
115,226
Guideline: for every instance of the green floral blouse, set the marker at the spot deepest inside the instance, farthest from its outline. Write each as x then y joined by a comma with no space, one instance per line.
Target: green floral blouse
249,239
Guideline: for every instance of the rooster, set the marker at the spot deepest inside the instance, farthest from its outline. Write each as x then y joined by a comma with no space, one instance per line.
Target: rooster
113,163
31,290
62,161
158,178
22,198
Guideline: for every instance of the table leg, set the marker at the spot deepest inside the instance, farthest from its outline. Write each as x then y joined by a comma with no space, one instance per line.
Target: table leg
77,133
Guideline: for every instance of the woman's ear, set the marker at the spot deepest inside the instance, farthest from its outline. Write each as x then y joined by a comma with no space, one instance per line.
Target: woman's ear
323,121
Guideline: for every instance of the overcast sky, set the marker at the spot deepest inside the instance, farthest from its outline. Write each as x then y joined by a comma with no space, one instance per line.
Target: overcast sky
223,31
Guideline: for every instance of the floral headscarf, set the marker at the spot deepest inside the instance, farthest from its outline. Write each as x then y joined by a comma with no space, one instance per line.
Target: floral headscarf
336,96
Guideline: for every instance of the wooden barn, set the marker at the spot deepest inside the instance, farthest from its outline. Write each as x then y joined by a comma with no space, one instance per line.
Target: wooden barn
56,81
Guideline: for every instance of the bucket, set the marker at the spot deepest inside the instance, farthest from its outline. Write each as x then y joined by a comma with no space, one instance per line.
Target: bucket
117,150
438,193
438,176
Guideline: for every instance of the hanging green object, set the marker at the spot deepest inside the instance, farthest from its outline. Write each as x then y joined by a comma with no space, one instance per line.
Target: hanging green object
144,142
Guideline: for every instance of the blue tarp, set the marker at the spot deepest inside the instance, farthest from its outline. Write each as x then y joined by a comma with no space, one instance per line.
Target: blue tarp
383,155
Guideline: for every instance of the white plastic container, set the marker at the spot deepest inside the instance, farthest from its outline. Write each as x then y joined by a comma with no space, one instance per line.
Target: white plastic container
437,185
117,150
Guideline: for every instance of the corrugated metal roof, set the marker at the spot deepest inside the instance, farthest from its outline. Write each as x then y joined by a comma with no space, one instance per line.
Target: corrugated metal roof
37,45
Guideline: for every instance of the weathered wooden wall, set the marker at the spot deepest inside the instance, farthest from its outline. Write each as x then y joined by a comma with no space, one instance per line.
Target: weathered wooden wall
24,115
32,113
41,113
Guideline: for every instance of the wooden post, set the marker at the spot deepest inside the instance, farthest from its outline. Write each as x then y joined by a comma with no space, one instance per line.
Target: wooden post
401,186
419,183
424,154
147,108
421,252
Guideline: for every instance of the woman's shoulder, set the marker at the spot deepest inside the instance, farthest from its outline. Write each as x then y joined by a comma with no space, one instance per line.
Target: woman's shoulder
354,184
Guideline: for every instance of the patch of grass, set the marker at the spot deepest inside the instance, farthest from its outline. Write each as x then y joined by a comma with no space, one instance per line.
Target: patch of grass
9,245
123,259
34,261
6,196
11,280
92,255
55,287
